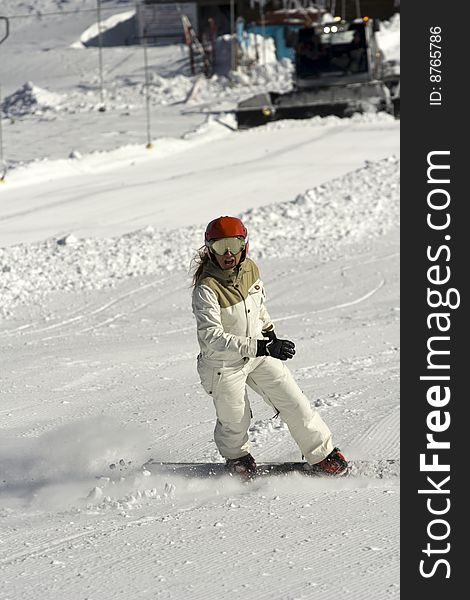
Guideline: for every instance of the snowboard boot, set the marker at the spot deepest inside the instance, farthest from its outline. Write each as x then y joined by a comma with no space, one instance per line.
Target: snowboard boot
245,466
333,464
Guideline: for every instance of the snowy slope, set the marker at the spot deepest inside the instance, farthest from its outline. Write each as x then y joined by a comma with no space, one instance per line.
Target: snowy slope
98,347
92,377
357,205
247,169
123,385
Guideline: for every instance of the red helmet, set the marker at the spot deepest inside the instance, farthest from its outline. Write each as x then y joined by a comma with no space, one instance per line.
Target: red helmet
225,227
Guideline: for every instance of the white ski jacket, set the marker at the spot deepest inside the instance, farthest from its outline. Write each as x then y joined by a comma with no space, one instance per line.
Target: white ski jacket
230,312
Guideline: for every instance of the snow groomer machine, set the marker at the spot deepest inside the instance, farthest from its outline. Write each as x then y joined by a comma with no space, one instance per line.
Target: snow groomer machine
338,71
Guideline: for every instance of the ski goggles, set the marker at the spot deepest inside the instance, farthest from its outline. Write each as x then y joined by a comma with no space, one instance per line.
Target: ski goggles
224,245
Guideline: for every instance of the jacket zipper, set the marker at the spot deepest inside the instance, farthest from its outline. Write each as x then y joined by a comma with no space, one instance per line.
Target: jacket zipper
246,311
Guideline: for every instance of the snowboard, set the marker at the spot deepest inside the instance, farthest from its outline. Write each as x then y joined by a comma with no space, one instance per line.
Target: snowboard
382,468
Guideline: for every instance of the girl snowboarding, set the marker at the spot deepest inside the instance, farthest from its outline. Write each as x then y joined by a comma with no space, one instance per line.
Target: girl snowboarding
238,347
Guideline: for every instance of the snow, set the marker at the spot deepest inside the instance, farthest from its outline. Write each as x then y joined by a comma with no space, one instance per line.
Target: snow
357,205
97,340
31,100
106,24
389,38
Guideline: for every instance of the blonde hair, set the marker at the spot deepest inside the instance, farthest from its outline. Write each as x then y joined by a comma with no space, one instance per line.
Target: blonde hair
198,262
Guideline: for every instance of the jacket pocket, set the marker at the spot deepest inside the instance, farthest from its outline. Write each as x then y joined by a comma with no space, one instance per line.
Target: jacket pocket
209,376
255,293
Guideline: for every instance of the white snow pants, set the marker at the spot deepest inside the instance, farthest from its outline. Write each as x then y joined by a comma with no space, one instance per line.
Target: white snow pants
271,379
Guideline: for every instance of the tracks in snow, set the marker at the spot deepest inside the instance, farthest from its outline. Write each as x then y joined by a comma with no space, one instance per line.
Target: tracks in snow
82,315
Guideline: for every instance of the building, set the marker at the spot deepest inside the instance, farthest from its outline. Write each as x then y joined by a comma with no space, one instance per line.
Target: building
161,19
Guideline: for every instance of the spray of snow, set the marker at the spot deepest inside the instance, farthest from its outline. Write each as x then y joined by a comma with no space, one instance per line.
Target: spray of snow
69,454
78,465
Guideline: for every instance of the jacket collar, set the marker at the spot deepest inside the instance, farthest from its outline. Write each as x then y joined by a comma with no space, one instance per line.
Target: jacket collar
227,276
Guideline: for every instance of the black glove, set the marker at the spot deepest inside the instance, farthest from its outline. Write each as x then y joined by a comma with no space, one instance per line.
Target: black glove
281,349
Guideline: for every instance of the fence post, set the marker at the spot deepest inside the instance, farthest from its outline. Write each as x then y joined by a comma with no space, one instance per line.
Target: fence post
149,144
3,164
102,108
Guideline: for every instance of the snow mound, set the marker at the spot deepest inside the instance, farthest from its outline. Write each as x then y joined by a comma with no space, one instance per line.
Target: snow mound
115,31
254,49
329,121
358,206
168,90
277,76
31,99
388,39
129,93
241,84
